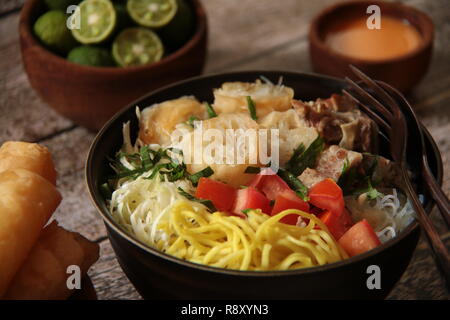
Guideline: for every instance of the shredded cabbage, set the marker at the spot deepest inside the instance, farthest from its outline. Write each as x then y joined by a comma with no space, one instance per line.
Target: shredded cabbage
388,214
140,205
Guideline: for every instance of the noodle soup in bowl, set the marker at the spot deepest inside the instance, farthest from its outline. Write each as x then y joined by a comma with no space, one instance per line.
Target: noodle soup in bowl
176,266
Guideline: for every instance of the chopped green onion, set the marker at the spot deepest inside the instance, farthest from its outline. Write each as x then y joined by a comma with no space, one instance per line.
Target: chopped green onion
303,159
300,189
191,121
194,178
251,108
210,110
246,211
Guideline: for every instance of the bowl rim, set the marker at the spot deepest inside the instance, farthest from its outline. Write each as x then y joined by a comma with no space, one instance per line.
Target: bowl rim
427,38
25,31
107,218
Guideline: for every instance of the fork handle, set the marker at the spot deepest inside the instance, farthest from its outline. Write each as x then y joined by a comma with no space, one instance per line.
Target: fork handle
436,192
440,253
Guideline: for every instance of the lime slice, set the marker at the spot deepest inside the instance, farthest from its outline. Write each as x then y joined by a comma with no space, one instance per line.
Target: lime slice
51,29
152,13
137,46
98,19
91,56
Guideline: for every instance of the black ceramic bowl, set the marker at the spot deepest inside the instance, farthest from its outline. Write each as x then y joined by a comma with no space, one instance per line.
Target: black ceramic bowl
159,276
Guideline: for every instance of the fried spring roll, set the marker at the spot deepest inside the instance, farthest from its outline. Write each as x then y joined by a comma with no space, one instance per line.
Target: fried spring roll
29,156
44,273
27,201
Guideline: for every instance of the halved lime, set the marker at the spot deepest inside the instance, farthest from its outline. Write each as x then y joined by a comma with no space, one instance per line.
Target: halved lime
98,19
152,13
137,46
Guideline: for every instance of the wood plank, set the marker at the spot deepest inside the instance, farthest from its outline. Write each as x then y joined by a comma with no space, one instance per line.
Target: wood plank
7,6
24,115
421,280
249,33
76,211
108,278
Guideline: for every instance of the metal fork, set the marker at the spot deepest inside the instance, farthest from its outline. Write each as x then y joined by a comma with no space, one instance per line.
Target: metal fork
384,110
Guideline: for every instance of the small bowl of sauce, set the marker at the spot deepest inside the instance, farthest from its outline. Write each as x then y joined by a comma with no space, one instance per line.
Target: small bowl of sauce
392,42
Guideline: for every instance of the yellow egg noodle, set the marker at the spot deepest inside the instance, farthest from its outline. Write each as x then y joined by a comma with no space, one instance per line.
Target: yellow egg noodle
259,242
156,214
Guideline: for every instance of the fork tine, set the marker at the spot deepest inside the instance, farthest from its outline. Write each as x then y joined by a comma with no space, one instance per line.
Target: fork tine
380,121
372,101
381,93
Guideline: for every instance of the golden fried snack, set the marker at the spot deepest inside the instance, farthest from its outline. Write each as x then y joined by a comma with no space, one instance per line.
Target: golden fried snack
27,201
158,121
29,156
232,97
44,273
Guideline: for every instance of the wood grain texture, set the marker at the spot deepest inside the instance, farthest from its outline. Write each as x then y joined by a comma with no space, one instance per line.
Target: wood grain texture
7,6
244,35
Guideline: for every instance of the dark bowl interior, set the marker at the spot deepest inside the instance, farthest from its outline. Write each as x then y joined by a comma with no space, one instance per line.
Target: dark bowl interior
157,275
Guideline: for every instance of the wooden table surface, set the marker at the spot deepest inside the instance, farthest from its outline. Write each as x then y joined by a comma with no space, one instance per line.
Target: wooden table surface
244,35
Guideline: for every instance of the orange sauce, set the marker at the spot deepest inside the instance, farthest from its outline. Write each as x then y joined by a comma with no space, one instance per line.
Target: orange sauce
352,37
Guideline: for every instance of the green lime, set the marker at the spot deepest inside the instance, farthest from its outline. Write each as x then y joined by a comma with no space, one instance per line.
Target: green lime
98,19
137,46
91,56
52,30
180,29
152,13
60,4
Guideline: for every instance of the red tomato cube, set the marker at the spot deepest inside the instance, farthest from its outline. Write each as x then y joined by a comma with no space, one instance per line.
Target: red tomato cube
359,239
269,183
337,224
286,201
327,195
221,194
250,198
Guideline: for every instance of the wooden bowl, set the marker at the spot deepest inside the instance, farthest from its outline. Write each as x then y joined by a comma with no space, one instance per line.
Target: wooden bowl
402,72
91,95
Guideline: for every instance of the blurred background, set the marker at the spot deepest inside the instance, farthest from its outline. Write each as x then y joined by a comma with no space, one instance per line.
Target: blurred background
242,35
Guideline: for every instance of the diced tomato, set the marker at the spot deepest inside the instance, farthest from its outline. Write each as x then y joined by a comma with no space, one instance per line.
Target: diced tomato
327,195
221,194
250,198
286,201
337,224
359,239
270,184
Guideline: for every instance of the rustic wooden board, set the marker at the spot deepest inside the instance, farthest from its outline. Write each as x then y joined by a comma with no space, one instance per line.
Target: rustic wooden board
7,6
244,35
